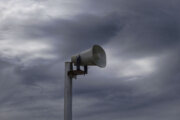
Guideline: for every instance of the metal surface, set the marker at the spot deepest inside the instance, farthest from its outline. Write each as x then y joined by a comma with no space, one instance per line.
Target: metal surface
76,72
68,93
94,56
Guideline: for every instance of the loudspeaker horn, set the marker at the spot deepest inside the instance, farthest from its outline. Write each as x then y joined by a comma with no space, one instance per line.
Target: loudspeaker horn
94,56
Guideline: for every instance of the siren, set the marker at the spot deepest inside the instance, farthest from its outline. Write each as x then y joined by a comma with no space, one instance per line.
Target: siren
94,56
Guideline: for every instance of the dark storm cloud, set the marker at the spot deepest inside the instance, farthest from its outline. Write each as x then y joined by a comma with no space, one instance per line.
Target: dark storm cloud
38,73
83,30
151,27
144,37
130,30
26,93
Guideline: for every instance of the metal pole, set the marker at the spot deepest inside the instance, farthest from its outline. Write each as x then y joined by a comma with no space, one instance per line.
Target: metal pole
67,93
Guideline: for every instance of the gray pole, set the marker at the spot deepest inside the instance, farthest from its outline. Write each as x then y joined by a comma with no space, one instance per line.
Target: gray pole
67,93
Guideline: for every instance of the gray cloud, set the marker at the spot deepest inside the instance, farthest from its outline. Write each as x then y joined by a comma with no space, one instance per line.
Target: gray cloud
85,30
141,39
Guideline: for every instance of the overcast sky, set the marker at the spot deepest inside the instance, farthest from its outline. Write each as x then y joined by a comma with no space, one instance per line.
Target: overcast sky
142,42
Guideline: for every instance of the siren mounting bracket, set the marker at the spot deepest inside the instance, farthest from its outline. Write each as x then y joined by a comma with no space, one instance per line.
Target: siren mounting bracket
73,73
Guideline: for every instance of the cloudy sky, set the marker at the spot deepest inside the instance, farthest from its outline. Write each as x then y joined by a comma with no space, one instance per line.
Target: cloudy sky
142,42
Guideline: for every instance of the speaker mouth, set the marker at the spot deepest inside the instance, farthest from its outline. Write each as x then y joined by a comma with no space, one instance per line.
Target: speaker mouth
99,56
